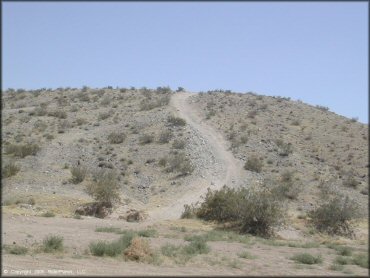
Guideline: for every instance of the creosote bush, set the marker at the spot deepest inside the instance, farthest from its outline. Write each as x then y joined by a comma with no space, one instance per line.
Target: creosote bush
334,215
116,137
146,139
254,164
78,174
104,188
176,121
179,163
251,211
165,137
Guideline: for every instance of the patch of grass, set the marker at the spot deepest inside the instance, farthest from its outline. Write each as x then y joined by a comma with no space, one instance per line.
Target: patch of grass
148,233
196,247
10,169
107,230
341,260
246,255
22,150
170,250
305,258
52,243
16,249
336,267
48,214
111,249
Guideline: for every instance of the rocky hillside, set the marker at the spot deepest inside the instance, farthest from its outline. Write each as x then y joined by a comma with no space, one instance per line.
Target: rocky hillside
284,139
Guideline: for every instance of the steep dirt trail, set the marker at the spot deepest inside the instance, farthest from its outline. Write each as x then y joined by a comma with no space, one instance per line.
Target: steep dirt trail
222,168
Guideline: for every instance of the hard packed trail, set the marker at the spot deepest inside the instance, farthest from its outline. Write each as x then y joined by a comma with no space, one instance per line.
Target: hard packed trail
216,167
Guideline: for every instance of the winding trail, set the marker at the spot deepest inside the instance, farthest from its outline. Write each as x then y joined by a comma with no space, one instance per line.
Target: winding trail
224,169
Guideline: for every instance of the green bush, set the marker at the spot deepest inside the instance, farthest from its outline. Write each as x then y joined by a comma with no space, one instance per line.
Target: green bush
254,212
284,148
116,137
22,150
104,188
361,260
254,164
334,215
197,247
78,174
52,243
10,169
148,233
176,121
305,258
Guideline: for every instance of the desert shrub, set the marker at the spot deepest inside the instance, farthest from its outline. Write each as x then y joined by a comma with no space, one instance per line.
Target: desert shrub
162,162
252,114
112,249
149,104
287,187
178,144
322,108
139,250
246,255
179,163
305,258
146,139
163,90
105,101
334,216
361,260
81,121
52,243
254,212
10,169
116,137
107,230
284,148
296,122
48,214
16,249
165,136
196,247
58,114
170,250
22,150
82,96
104,115
189,212
40,126
350,181
341,260
176,121
78,174
180,89
254,164
104,188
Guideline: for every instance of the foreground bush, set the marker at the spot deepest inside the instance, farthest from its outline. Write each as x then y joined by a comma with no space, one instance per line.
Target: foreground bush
22,150
104,188
334,216
254,212
111,249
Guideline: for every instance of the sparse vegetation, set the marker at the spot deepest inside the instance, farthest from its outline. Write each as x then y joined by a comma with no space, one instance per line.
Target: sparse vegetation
305,258
165,137
48,214
146,139
179,163
16,249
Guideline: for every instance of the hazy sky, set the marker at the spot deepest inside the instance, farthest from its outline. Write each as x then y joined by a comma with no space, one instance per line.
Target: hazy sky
315,52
